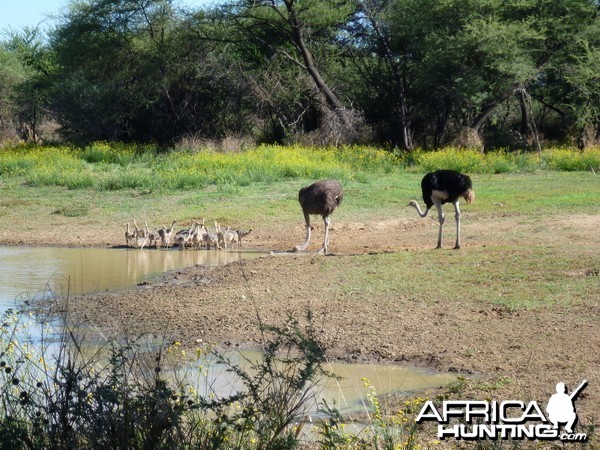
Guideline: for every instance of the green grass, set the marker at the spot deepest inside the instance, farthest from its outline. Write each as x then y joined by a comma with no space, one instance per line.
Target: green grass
269,203
513,276
120,167
520,266
73,211
102,167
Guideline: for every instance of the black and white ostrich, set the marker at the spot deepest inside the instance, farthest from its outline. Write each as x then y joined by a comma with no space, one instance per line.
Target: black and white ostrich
321,197
445,186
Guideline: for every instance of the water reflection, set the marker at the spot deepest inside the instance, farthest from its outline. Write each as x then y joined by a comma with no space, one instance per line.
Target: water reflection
348,393
30,271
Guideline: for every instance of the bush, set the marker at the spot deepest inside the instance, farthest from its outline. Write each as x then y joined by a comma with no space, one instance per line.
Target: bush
571,160
472,161
59,395
117,166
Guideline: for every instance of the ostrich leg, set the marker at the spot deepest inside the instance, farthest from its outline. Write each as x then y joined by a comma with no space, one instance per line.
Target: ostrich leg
457,217
438,206
327,222
302,247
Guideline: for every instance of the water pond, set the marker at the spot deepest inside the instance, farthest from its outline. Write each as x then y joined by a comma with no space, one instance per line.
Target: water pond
348,392
29,273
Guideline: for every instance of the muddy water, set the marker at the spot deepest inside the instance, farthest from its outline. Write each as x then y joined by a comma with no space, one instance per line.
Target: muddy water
348,392
29,272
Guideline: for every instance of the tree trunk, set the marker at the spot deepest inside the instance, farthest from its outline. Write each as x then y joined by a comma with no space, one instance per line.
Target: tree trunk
332,101
527,120
488,110
526,130
406,135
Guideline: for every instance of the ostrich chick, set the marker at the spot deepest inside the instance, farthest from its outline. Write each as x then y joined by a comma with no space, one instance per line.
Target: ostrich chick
321,197
152,235
445,186
129,235
165,234
241,234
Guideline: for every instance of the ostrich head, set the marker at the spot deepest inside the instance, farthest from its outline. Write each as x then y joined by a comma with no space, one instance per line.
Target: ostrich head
412,203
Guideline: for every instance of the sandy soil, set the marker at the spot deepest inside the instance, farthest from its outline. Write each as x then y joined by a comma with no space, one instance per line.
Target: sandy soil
535,349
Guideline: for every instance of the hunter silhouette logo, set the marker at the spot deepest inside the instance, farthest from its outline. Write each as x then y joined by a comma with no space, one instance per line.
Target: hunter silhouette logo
560,406
511,419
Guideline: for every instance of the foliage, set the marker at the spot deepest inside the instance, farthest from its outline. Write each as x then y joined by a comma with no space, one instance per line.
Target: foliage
12,73
102,166
396,430
25,63
61,394
136,71
569,160
290,41
67,392
472,161
406,73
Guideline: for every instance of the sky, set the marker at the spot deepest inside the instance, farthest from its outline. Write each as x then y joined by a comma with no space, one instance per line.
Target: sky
16,14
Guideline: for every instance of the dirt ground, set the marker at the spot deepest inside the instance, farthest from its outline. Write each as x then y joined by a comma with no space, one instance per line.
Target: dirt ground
516,354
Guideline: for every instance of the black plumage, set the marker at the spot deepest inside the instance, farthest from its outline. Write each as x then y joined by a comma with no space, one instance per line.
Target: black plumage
445,186
453,183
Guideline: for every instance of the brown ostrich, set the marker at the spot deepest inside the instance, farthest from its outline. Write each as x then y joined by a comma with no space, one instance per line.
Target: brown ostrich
441,187
321,197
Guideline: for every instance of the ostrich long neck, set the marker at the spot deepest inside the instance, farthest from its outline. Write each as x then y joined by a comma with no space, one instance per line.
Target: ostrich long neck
307,240
170,230
418,208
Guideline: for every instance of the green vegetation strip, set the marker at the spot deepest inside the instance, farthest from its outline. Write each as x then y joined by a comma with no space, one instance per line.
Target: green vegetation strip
513,276
102,166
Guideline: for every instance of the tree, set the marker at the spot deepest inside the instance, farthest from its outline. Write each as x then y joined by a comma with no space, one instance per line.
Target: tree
129,70
12,73
569,86
30,84
370,47
419,72
443,66
296,30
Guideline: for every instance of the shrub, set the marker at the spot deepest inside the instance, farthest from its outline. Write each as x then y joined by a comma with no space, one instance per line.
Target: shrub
118,166
58,395
571,160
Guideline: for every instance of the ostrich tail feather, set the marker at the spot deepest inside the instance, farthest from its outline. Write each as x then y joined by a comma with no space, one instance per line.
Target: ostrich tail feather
469,196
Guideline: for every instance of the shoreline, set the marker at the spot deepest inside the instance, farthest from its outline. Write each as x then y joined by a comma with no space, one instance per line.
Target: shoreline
375,299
